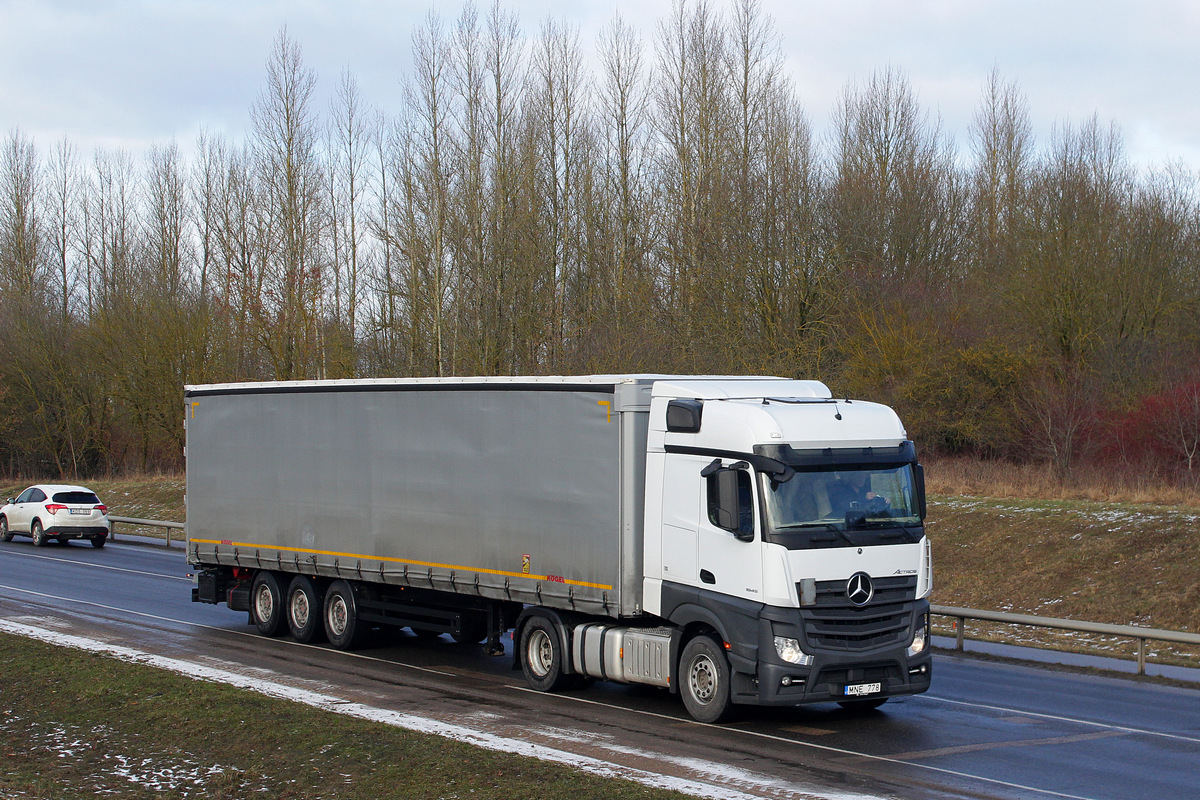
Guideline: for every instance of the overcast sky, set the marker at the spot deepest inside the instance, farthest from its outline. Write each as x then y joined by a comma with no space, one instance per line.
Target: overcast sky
104,72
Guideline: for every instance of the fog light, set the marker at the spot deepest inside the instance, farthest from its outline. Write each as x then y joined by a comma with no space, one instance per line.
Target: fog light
789,650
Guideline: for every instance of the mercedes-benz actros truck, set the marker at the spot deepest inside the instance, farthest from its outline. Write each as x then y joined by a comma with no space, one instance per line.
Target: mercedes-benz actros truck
734,540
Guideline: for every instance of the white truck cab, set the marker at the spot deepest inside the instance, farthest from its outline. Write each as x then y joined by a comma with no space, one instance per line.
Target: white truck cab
789,524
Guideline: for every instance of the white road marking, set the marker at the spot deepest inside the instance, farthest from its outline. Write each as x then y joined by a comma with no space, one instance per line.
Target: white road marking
1057,718
97,566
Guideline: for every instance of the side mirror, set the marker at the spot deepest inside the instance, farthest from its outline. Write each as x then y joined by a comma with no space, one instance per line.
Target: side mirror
731,504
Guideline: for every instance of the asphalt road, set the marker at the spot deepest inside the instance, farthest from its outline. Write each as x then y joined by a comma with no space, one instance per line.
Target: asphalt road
985,730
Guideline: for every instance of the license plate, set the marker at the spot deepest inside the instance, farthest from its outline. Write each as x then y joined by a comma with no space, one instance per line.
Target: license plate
84,511
861,689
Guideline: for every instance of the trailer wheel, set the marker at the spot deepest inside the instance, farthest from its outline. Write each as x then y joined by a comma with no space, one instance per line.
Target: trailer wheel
266,604
304,610
341,616
704,679
542,656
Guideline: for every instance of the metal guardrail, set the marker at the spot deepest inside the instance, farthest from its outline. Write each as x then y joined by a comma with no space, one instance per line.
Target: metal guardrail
960,615
151,523
1142,635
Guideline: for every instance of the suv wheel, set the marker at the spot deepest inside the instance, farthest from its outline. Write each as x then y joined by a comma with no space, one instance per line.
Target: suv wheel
5,533
39,535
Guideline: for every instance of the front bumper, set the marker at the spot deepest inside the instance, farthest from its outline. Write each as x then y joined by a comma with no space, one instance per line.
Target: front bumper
771,681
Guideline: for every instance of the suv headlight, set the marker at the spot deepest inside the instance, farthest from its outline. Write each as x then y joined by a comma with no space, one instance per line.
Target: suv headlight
789,650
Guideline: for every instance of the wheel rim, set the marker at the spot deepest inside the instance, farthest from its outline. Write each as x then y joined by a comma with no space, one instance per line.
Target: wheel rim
338,613
539,653
703,680
300,609
264,603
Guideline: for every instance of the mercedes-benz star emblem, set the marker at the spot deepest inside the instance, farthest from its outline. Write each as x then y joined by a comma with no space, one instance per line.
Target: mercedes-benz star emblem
859,589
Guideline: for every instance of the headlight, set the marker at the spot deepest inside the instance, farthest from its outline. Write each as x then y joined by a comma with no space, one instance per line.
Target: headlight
789,650
920,639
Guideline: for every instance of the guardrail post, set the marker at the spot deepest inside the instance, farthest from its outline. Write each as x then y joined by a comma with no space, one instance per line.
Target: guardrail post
959,624
1142,656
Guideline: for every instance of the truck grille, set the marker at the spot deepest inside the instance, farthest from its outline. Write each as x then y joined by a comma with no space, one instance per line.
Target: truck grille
835,623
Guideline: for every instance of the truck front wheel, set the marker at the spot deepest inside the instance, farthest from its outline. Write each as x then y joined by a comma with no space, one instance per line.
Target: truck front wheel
342,625
542,656
266,604
704,683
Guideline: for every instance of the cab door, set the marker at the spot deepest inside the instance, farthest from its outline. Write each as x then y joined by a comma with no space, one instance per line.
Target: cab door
730,555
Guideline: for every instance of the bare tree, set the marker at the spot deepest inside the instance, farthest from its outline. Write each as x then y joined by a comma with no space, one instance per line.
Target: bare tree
350,135
693,126
21,266
896,204
63,195
1002,141
286,140
426,186
624,107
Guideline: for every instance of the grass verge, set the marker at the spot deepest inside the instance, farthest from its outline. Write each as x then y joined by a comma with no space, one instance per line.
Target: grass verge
77,725
1121,563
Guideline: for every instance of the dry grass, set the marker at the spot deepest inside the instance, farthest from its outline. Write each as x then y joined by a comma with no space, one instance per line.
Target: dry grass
143,496
974,477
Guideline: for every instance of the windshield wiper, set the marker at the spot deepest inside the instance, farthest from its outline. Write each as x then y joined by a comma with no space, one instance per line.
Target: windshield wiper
907,531
829,526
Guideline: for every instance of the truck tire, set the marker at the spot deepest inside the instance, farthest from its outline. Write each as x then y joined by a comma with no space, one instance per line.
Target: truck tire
39,535
266,604
303,606
704,680
342,625
542,656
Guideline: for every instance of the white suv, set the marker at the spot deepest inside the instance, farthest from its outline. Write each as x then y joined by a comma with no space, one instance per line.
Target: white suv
54,511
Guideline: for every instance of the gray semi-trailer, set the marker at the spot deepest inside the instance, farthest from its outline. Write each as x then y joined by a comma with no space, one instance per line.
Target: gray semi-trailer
735,540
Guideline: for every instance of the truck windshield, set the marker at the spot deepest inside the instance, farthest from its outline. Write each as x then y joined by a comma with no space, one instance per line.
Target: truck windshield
844,507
